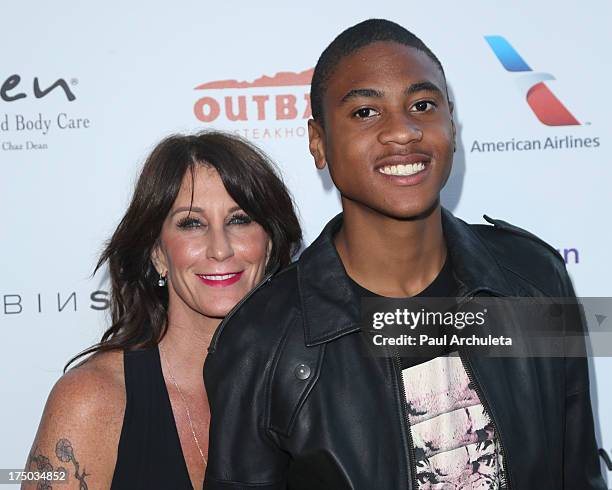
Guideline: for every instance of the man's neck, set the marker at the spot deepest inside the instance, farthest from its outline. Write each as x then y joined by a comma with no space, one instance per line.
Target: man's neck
391,257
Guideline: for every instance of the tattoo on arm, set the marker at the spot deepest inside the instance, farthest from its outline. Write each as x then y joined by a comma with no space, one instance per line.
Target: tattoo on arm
43,465
65,453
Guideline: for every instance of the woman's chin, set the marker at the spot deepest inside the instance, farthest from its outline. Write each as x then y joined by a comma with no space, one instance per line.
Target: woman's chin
218,311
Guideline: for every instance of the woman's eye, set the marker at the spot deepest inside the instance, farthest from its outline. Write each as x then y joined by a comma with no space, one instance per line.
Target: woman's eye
186,223
364,113
239,219
423,106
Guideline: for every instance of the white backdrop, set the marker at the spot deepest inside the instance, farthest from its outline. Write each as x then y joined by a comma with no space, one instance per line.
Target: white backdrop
68,166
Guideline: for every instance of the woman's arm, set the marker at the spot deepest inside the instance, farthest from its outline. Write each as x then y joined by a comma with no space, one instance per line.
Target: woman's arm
80,427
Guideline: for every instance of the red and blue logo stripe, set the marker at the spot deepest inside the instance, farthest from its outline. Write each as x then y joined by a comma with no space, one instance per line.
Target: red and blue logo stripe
545,105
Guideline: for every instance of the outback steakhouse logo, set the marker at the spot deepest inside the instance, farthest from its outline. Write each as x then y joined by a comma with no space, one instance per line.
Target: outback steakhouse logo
245,105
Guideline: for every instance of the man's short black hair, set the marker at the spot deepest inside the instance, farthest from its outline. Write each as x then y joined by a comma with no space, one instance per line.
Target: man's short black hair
356,37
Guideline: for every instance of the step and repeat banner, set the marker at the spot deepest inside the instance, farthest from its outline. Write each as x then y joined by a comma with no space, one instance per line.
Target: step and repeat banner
86,91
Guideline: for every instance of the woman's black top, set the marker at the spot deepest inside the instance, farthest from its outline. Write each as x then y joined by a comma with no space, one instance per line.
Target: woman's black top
150,454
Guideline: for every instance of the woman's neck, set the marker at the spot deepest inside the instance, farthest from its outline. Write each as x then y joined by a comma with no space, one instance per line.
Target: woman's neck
186,343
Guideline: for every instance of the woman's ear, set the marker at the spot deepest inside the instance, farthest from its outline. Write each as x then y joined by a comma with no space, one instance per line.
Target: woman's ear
268,251
159,260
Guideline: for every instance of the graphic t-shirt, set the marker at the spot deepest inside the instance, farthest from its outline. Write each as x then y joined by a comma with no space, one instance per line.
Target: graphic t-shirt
454,441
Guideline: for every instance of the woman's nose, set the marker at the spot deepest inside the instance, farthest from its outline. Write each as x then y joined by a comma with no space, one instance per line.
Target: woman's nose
219,245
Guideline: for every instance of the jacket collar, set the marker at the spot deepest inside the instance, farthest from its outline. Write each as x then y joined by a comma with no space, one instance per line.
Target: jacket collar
330,306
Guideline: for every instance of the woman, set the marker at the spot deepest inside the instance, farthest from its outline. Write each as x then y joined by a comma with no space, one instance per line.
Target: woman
208,219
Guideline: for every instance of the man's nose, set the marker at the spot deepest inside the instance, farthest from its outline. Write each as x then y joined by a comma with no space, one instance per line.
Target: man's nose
399,127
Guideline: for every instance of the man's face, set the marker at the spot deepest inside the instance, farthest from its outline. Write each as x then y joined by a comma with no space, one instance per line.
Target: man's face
388,133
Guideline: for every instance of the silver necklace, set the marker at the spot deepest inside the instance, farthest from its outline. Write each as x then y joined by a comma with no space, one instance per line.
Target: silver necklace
195,438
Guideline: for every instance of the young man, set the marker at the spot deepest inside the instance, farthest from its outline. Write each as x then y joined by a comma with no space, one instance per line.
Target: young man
296,399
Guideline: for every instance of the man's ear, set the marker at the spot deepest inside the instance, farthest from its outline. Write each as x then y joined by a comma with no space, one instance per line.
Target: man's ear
451,106
316,143
159,260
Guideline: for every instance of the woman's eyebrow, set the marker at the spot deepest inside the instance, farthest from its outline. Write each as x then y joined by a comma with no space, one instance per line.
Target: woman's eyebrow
196,209
193,209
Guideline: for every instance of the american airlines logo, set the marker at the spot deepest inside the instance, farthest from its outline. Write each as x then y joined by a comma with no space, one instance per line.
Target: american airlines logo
543,102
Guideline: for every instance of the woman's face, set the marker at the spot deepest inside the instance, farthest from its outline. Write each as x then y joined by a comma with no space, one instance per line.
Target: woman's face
210,249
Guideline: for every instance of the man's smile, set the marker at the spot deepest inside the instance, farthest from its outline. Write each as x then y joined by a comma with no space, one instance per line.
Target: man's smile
408,169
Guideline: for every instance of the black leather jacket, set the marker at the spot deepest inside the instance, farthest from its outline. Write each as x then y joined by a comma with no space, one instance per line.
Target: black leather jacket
297,403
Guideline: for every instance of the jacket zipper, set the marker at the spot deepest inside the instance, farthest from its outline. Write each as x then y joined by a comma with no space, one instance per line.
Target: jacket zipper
467,366
404,412
468,369
470,373
404,409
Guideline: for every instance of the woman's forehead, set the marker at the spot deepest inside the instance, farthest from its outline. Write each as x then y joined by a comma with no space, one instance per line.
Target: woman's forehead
203,188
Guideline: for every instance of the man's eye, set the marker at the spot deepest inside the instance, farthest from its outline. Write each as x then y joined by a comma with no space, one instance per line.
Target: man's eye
423,106
186,223
364,113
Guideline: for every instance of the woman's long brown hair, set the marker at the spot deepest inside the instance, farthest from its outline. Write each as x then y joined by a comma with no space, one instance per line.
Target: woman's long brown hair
138,306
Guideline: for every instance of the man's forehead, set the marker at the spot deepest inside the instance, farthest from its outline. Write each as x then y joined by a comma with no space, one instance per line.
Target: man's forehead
384,62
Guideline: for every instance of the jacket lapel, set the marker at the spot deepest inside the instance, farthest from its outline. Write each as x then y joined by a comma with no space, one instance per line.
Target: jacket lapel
330,306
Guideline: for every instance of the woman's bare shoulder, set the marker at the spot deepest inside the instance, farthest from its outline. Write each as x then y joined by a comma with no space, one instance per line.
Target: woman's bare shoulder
96,384
81,422
105,365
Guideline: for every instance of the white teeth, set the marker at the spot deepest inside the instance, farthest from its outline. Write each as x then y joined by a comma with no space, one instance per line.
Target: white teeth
409,169
217,278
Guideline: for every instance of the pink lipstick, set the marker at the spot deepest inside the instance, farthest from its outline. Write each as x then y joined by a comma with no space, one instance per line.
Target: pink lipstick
220,280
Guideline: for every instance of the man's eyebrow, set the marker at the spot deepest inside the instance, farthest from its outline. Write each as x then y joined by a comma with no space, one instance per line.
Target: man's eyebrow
423,87
362,92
